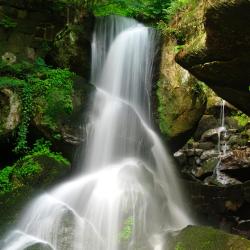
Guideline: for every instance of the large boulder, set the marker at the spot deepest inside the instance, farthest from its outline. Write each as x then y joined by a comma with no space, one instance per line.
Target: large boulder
218,50
206,238
181,99
34,172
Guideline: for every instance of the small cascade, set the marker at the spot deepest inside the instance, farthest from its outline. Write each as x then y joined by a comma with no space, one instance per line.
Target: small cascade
222,145
127,195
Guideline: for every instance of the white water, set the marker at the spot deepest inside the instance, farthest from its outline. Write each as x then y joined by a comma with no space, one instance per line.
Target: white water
222,145
127,196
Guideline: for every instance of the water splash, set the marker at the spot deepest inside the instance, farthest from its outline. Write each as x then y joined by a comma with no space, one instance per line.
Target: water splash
127,195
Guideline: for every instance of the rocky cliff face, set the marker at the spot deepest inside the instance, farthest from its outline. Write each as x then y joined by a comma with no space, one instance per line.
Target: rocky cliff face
210,40
218,50
181,99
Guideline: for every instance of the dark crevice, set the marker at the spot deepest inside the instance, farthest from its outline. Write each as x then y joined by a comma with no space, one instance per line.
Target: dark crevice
242,174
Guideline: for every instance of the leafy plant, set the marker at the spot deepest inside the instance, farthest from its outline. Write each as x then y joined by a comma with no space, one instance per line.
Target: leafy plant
44,91
7,22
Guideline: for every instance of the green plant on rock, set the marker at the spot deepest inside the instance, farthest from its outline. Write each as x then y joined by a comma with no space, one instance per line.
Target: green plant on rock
127,230
45,92
5,174
26,169
27,109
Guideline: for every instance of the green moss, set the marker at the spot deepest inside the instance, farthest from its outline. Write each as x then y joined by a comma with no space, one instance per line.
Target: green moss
180,105
29,169
206,238
241,118
164,120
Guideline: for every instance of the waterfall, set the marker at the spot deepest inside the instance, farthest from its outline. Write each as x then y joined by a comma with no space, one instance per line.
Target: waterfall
127,194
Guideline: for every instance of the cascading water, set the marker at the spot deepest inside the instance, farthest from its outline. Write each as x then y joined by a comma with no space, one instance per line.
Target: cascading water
127,195
222,145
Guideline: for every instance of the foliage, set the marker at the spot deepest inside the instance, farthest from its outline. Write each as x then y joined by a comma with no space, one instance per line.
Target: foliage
7,22
42,147
5,174
178,48
27,108
241,118
45,92
26,168
127,229
153,10
175,7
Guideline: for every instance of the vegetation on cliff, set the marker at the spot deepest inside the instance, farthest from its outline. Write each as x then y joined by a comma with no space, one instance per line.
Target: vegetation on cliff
46,94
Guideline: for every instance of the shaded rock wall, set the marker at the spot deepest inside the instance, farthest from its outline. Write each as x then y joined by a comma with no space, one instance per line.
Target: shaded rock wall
218,52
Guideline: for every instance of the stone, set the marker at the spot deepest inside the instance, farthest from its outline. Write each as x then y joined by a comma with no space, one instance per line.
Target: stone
206,238
209,165
10,110
180,157
209,154
212,134
207,122
9,58
206,145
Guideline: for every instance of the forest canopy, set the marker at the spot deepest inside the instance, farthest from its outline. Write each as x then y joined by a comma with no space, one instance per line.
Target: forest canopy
146,9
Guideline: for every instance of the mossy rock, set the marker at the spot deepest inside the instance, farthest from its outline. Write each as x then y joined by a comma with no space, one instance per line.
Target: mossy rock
181,98
31,174
207,238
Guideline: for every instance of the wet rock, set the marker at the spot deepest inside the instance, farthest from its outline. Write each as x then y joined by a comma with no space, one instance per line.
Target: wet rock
206,145
212,134
209,154
180,156
221,179
207,122
209,166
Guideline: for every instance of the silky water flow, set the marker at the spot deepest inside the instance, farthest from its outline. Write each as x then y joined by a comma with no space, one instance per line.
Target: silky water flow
127,194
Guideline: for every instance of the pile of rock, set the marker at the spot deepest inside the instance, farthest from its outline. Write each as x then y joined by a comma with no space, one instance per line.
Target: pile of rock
202,156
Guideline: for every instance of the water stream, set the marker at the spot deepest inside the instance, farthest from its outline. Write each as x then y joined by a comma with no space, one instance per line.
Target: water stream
127,194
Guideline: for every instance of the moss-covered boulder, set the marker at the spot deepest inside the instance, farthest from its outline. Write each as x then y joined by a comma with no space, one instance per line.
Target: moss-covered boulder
34,172
217,49
206,238
181,99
